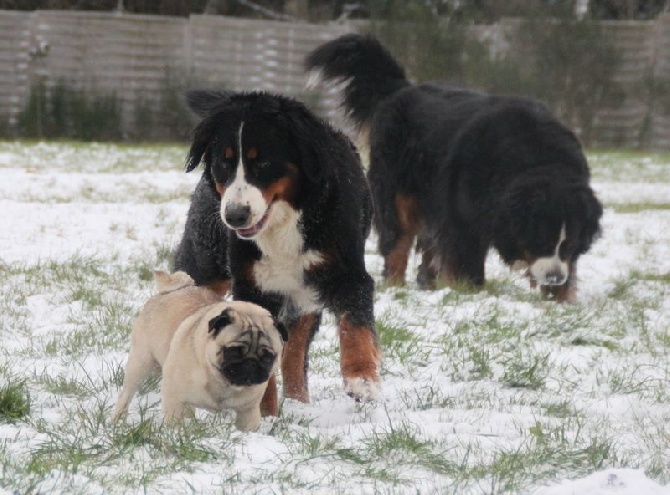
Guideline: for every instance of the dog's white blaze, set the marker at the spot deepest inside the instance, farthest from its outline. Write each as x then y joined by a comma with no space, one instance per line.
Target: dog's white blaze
282,266
543,270
363,145
240,192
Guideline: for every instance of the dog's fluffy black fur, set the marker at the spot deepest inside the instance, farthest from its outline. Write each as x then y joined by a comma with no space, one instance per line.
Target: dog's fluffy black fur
461,171
284,209
203,249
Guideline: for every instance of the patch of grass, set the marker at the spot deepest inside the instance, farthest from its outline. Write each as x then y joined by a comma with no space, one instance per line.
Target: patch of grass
65,386
92,297
405,441
425,398
14,401
506,288
629,380
547,454
621,289
638,207
85,440
526,371
651,277
400,343
593,342
630,166
560,409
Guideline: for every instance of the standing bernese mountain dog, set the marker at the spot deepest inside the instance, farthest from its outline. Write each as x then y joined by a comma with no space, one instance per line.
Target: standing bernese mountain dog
283,210
460,171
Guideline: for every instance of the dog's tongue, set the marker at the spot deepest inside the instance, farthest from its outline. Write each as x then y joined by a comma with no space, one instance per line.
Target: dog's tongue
247,232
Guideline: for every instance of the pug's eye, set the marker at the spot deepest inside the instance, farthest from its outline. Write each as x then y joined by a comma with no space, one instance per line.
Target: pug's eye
267,356
233,353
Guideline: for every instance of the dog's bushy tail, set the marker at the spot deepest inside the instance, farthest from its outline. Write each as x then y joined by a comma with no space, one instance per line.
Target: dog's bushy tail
367,70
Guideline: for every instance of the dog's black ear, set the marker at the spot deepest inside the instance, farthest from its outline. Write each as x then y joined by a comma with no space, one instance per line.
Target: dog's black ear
321,148
202,137
202,101
281,328
592,212
218,323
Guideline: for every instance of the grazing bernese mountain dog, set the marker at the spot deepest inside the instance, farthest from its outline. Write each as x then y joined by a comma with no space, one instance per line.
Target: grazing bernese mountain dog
283,210
460,171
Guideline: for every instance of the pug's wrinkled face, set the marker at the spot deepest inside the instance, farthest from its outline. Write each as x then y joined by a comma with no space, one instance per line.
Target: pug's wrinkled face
245,344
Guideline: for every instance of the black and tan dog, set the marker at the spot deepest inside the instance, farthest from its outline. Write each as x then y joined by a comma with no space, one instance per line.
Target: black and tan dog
292,197
213,354
460,171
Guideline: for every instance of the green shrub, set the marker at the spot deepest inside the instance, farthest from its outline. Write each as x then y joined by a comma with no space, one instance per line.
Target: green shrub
62,111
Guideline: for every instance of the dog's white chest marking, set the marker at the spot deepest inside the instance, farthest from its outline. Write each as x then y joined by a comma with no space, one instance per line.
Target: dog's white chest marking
282,267
551,270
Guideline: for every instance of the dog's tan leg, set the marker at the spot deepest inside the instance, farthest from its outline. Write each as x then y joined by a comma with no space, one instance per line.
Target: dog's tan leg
395,261
295,360
140,365
248,419
360,358
270,401
172,389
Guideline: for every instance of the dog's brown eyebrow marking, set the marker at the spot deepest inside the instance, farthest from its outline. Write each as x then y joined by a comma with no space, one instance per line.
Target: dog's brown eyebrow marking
252,153
229,153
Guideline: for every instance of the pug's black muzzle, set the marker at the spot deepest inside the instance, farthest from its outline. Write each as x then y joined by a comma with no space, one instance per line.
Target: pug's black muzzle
246,372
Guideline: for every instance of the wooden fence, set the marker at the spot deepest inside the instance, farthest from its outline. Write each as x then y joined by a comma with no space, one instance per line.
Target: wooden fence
132,56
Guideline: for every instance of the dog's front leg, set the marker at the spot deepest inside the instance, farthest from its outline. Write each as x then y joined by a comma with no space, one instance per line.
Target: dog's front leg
352,301
174,408
248,419
360,359
295,360
175,411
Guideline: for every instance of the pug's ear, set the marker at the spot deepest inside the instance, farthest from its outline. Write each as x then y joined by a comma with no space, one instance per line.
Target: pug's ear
280,328
221,321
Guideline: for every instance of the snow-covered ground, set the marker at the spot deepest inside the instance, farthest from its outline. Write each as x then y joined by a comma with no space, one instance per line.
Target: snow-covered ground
487,392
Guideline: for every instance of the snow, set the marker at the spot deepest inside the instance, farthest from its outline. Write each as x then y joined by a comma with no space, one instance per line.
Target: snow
603,361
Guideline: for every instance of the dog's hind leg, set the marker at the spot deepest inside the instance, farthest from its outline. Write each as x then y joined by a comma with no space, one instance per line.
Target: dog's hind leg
295,360
426,273
140,365
462,260
395,258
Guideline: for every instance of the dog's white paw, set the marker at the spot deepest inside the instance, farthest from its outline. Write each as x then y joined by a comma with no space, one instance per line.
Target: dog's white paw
362,389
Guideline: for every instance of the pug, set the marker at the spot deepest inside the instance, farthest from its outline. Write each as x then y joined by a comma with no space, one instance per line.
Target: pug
214,354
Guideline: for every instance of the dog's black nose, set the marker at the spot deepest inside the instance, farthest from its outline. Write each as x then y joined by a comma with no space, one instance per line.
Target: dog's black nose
237,215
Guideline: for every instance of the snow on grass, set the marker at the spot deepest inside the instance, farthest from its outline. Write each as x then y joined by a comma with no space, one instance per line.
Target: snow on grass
494,391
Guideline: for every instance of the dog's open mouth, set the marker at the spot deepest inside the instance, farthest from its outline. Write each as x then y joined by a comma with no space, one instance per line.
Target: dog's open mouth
250,232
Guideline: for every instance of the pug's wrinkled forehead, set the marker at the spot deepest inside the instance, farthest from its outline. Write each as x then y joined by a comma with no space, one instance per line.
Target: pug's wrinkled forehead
248,316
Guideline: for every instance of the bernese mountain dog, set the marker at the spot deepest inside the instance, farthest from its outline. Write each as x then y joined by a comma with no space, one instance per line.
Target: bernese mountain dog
460,171
283,210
